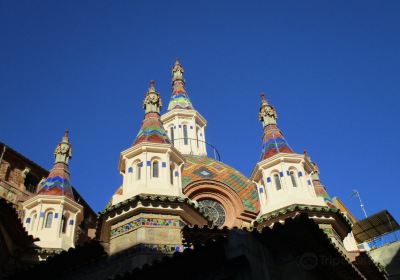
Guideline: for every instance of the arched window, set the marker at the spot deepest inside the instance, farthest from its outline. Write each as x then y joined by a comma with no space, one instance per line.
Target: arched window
155,169
197,136
171,129
33,221
138,170
277,180
49,220
64,223
185,135
293,178
171,174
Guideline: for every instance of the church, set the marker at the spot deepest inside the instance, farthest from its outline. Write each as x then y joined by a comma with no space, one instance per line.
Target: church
179,212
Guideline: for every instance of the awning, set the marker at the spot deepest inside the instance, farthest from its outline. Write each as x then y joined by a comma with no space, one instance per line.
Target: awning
374,226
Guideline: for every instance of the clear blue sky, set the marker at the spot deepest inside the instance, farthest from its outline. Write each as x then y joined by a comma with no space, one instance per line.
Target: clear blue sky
331,68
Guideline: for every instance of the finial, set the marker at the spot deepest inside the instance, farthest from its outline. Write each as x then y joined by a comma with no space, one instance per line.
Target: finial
151,87
267,113
305,152
66,134
177,72
63,151
152,101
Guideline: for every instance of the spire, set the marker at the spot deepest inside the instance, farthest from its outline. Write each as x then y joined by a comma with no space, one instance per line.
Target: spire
273,140
58,180
179,98
152,129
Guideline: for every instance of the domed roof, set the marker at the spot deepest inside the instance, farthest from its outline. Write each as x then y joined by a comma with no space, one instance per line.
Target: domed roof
204,168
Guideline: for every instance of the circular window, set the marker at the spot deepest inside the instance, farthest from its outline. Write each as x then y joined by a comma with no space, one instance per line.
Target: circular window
214,210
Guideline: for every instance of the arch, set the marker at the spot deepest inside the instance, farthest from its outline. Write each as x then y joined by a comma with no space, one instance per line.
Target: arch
171,173
33,217
171,134
277,181
64,222
292,174
155,169
49,219
221,193
138,168
185,134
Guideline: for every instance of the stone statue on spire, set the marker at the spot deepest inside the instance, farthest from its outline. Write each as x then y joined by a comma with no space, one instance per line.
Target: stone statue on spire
177,71
63,151
152,102
267,113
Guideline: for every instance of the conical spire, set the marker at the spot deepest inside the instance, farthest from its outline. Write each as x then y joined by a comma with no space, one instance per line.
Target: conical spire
179,98
152,129
273,140
58,181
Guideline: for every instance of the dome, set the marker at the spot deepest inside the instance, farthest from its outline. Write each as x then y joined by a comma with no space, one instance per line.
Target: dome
200,168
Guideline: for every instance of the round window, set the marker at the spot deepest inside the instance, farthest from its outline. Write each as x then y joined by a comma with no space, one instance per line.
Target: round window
214,210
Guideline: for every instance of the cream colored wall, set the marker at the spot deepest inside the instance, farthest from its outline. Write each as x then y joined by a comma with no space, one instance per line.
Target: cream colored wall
350,243
52,237
273,199
147,183
176,120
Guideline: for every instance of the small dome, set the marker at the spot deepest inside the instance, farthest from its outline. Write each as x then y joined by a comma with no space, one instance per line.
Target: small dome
204,168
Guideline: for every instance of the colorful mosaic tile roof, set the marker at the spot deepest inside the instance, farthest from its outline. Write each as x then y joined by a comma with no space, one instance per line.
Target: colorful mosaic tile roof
273,142
152,130
58,182
200,167
179,98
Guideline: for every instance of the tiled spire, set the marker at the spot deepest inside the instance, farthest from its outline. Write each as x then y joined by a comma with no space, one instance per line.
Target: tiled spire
58,181
179,98
152,129
273,140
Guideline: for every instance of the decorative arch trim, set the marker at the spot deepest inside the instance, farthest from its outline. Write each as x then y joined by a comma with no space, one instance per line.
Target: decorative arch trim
235,212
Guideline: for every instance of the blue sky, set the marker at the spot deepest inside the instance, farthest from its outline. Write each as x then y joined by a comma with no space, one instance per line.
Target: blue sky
331,68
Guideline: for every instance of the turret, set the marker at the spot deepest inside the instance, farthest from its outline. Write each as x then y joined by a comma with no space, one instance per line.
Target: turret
152,165
185,125
53,215
280,173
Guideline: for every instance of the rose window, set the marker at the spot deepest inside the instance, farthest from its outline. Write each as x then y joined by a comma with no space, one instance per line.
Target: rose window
214,210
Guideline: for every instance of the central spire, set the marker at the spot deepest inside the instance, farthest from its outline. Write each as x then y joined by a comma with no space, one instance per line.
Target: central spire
273,140
179,98
152,129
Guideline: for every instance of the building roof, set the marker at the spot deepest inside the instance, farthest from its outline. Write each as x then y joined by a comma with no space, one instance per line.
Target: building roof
152,130
199,168
374,226
57,183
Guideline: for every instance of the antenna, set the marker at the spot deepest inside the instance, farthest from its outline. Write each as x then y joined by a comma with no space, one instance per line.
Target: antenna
357,194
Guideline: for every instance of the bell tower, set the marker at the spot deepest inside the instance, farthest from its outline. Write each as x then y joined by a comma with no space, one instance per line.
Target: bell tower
185,126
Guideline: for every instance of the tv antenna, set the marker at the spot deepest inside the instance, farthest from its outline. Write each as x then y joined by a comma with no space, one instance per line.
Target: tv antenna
357,194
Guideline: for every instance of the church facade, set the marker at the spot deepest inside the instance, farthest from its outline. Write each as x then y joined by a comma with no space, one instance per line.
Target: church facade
177,201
